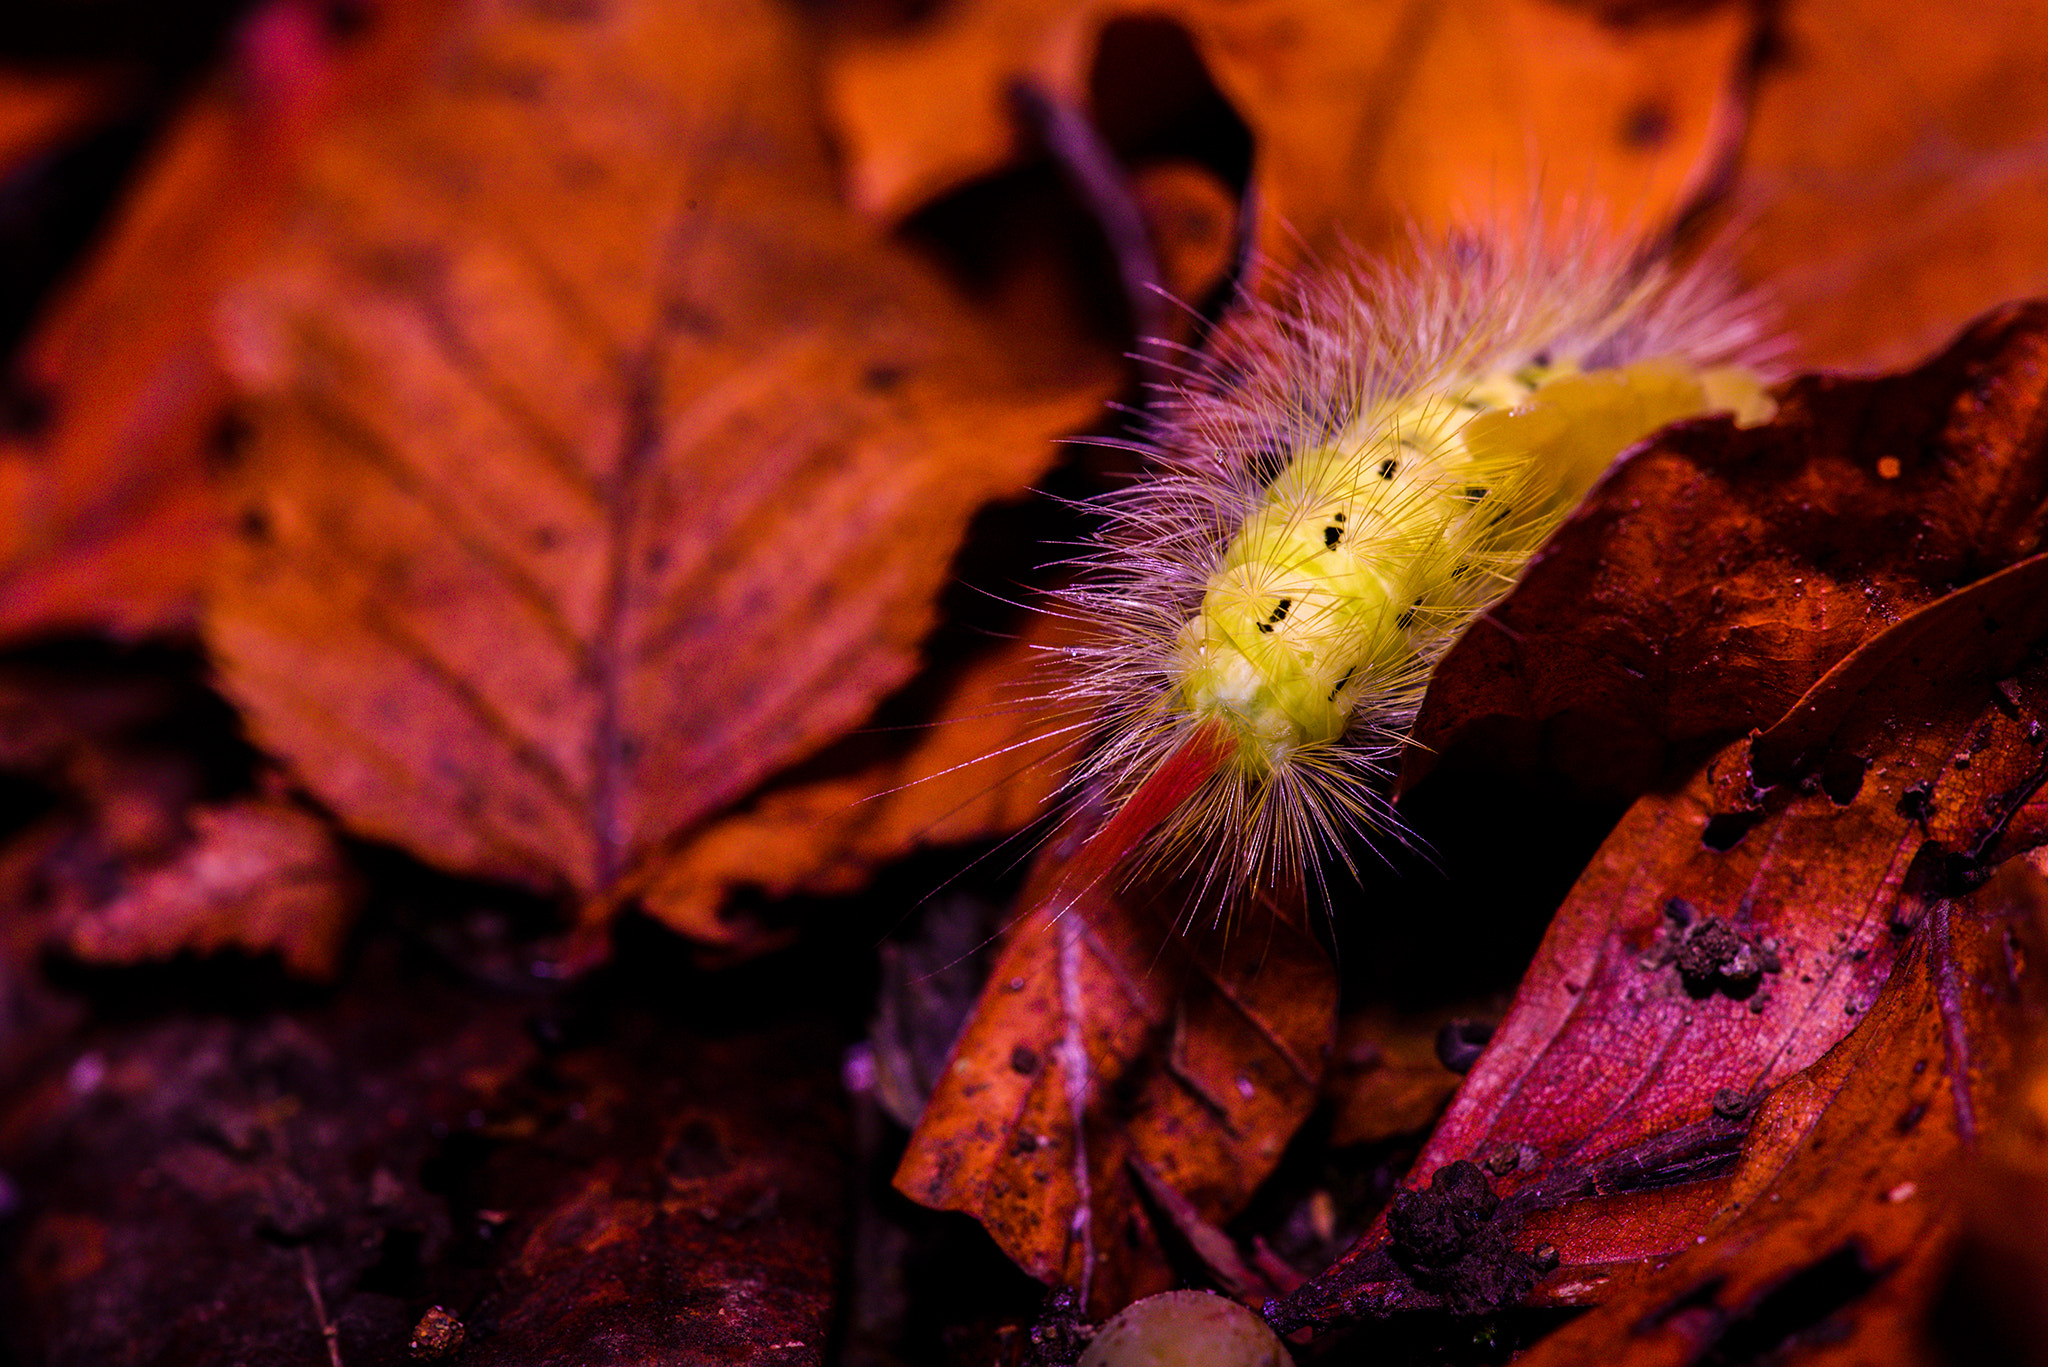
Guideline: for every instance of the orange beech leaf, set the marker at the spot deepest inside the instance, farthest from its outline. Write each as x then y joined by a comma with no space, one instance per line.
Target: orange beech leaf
1892,183
1366,117
1726,937
984,762
257,876
602,466
108,510
1108,1038
1717,573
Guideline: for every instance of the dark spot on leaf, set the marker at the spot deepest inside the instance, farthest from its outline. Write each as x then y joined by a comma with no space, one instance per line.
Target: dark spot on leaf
1910,1121
880,379
1647,126
1024,1059
1730,1104
345,21
228,444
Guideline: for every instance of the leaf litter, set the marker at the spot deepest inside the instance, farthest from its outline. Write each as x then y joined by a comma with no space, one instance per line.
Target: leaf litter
1933,792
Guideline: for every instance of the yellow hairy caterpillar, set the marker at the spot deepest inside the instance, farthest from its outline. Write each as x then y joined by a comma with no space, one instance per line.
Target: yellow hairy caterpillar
1347,479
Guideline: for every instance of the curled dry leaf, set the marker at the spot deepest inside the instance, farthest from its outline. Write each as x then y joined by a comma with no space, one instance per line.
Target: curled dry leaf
108,510
1992,1299
1113,1052
1717,573
258,876
603,466
1366,117
1728,935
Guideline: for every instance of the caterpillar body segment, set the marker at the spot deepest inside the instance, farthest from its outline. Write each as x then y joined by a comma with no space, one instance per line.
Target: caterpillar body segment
1353,476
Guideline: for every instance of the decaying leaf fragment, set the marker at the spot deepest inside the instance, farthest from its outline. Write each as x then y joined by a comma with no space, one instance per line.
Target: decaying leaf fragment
258,876
602,465
1109,1038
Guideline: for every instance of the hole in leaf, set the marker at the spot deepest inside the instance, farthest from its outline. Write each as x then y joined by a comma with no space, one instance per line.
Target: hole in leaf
1841,778
1725,830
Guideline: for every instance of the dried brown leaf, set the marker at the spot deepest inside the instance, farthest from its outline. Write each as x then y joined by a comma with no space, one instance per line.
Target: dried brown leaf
1839,1220
1387,1079
604,465
1195,1051
982,765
